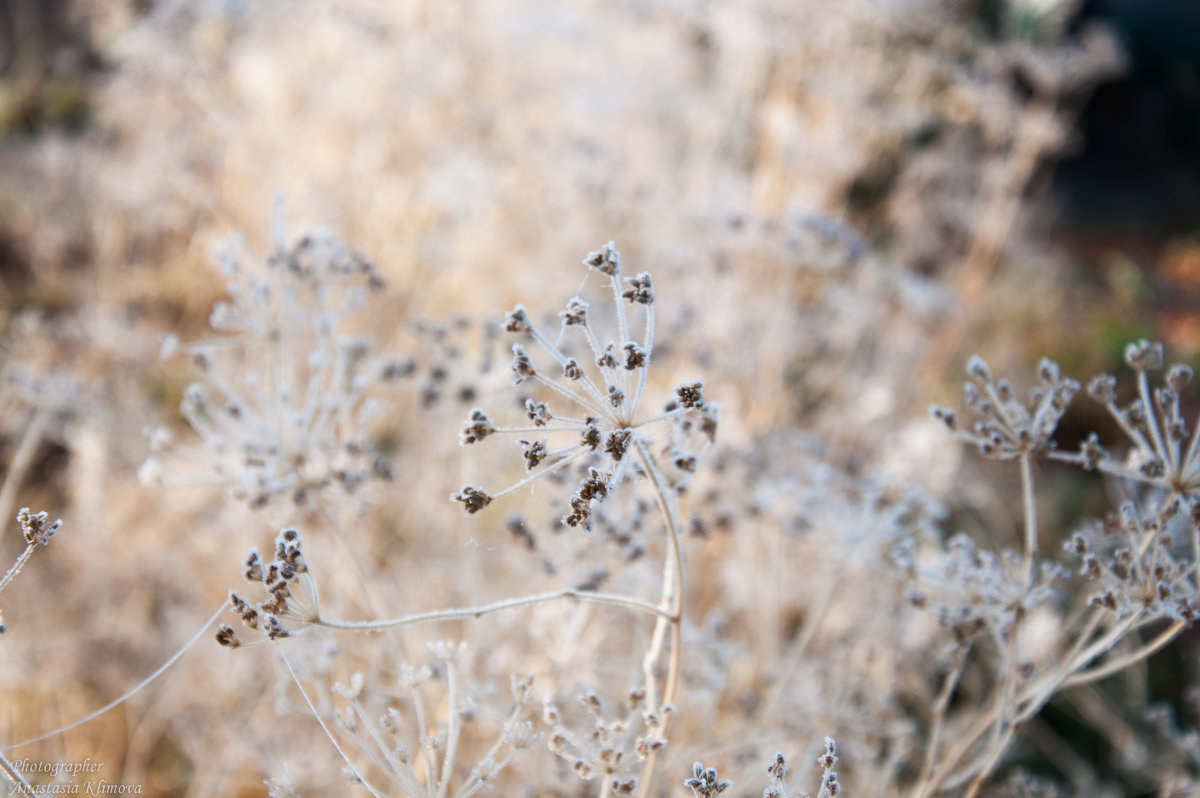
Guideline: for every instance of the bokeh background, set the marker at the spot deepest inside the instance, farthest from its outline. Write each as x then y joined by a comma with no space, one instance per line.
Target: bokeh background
840,202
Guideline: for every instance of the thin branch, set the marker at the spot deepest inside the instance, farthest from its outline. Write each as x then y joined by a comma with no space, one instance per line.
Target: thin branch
19,784
129,693
1119,664
672,601
361,779
471,613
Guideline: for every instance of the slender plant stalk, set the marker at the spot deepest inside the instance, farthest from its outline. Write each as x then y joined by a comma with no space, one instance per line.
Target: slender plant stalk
939,715
797,649
455,727
128,693
428,753
468,613
672,603
1120,664
312,709
19,784
18,565
1000,721
1004,727
1029,501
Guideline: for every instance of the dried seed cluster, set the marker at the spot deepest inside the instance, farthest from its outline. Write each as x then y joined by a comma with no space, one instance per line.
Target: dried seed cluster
1135,563
613,741
290,588
35,527
975,591
1005,426
606,395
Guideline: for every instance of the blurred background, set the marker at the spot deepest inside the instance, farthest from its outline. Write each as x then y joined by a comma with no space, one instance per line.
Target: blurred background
840,202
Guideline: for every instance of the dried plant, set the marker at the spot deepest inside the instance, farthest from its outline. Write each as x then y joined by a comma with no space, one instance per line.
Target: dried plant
832,204
36,530
1139,564
612,444
285,398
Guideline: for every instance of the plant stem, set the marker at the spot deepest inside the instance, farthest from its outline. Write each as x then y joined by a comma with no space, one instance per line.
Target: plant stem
316,715
1029,500
672,605
455,726
939,715
128,693
18,565
469,613
19,784
1087,677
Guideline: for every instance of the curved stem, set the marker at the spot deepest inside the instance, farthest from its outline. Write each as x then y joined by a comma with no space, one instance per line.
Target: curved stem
311,708
129,693
673,568
470,613
19,784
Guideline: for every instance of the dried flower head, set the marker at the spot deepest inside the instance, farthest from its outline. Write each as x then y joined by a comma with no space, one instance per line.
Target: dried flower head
292,601
35,527
1007,427
36,530
705,782
1165,455
601,404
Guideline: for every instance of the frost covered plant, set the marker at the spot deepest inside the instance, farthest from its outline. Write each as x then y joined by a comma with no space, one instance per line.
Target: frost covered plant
36,530
613,442
592,379
1164,455
706,782
594,393
284,400
426,769
1139,562
292,595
